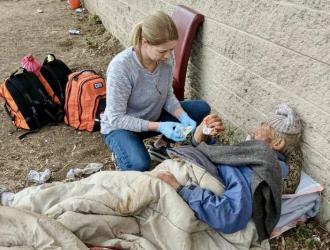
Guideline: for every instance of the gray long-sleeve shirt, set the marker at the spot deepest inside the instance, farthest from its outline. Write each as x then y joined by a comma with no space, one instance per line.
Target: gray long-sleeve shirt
136,96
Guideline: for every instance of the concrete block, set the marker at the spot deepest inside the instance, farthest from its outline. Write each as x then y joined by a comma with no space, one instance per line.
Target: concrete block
319,5
150,6
293,72
317,166
325,213
256,90
300,29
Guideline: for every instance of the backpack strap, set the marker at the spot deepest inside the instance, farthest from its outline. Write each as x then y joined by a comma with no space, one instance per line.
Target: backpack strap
7,111
57,81
24,134
45,102
27,133
52,117
31,131
27,98
23,91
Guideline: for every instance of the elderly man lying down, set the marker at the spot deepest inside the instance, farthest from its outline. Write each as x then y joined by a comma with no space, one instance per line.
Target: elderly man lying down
140,211
252,173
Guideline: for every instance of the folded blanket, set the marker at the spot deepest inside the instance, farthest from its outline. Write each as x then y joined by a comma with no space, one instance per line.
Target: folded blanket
298,207
130,210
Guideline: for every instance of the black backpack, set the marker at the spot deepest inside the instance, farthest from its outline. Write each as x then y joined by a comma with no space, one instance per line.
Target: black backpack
55,72
27,102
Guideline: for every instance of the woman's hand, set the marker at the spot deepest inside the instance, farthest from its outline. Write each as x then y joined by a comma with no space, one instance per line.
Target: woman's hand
172,130
187,121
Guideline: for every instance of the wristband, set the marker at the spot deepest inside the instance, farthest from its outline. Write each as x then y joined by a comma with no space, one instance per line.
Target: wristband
179,188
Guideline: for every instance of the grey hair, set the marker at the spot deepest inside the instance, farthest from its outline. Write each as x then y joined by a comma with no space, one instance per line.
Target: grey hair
292,141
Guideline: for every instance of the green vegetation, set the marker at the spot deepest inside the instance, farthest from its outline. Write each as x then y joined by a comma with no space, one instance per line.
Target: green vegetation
231,135
91,44
95,19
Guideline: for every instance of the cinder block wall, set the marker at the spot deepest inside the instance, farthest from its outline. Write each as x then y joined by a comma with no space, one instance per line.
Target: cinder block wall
251,55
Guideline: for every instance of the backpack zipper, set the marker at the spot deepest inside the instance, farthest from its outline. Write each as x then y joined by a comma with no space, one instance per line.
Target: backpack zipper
80,94
97,100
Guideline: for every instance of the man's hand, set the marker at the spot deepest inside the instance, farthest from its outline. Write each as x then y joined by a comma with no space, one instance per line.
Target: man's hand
169,179
213,122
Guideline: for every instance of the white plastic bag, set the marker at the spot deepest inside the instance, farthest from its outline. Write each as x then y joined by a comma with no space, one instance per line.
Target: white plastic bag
39,177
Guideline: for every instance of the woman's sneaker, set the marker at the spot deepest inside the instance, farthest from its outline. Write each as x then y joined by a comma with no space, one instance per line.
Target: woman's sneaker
157,154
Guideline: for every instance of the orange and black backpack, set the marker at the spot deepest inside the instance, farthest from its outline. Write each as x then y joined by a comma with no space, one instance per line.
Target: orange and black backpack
54,77
85,100
27,102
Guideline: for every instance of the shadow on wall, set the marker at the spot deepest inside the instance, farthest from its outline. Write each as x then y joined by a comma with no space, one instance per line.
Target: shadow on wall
193,88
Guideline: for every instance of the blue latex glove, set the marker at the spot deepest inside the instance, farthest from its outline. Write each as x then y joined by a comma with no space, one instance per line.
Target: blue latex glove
172,130
187,121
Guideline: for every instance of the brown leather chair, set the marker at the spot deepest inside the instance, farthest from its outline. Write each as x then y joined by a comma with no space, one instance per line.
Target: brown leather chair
187,22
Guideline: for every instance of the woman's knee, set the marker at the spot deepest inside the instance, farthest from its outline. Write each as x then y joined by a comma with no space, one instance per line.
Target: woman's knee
134,162
137,163
129,151
197,109
205,108
140,163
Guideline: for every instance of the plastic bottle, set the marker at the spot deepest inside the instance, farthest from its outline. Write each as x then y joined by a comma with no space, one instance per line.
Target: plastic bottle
74,32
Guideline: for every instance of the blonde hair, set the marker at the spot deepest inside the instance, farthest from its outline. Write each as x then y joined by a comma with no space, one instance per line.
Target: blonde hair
156,28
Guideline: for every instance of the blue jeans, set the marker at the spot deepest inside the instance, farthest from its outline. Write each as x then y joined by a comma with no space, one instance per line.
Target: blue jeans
128,146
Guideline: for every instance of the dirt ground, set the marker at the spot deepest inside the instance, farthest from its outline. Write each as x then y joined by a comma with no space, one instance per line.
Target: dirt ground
23,30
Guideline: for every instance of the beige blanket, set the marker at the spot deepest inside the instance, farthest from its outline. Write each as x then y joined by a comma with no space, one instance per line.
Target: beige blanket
130,210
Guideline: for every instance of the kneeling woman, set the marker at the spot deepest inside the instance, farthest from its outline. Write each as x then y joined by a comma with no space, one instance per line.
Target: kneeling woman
140,99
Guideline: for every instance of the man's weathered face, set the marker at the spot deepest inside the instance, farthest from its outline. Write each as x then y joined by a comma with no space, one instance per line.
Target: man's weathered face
265,133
